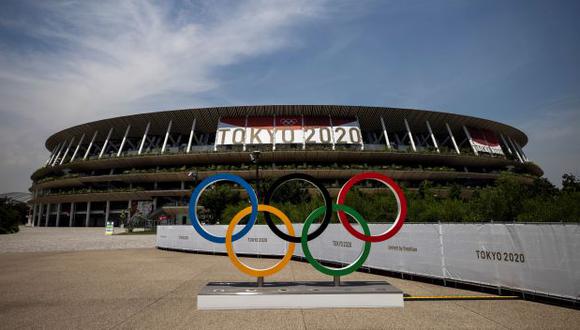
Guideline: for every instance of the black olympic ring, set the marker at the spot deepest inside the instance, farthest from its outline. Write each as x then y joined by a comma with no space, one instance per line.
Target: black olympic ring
327,204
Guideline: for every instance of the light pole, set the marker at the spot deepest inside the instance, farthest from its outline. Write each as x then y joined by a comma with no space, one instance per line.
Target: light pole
255,158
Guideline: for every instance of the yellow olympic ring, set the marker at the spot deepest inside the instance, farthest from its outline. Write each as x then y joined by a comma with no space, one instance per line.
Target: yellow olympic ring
232,254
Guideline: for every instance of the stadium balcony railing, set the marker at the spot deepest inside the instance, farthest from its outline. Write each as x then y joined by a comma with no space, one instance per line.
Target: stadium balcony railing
196,149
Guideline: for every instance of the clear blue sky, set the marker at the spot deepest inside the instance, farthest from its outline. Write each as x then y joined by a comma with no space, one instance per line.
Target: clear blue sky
66,62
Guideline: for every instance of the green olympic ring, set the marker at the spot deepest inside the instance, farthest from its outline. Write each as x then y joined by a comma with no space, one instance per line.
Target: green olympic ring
335,271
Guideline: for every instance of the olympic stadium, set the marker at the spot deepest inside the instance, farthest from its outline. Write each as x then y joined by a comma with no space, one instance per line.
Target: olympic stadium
149,163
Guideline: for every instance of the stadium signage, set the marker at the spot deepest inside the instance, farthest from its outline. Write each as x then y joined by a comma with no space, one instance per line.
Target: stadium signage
288,130
485,141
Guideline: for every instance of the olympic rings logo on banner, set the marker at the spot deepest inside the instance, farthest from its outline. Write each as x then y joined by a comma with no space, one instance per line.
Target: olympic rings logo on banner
288,122
324,211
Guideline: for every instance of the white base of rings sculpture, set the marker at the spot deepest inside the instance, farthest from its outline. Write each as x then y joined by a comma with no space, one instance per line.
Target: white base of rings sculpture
298,295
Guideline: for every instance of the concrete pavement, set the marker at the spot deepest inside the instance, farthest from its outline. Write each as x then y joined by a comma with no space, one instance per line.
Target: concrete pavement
150,288
44,239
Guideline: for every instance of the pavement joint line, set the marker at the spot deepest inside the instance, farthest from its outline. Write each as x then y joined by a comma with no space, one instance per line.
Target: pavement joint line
292,266
485,317
431,298
456,303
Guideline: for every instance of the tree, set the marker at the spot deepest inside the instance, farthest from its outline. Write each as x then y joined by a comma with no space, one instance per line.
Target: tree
373,206
425,189
455,191
502,202
216,199
570,183
293,191
543,187
10,216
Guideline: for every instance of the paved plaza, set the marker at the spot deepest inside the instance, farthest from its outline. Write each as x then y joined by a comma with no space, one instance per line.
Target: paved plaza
149,288
50,239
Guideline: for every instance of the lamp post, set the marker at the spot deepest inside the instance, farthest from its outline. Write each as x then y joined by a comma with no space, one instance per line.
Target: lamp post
255,158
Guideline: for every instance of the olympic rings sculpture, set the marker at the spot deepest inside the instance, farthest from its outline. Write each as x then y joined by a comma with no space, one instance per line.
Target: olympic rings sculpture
324,211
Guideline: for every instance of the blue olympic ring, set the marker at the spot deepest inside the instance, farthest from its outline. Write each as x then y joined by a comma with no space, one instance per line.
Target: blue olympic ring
199,190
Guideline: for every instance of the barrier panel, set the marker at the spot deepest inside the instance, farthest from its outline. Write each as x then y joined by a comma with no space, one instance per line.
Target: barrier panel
416,249
537,258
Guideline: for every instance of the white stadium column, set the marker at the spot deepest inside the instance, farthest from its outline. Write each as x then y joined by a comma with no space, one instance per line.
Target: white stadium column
58,153
191,132
385,134
245,130
39,214
521,151
332,132
55,152
34,207
303,133
105,143
66,151
71,214
144,138
47,215
88,215
410,135
362,142
34,213
107,211
166,136
52,154
43,215
517,152
90,145
58,206
124,140
35,220
274,129
470,140
452,138
432,136
507,146
72,158
49,158
215,143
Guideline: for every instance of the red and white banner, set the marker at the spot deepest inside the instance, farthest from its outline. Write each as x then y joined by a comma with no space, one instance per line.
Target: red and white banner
287,130
485,141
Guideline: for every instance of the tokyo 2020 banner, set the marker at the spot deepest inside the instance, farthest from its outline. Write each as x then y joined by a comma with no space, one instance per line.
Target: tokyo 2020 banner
288,130
324,212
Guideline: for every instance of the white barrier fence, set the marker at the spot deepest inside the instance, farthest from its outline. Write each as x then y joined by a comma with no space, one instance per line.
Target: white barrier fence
537,258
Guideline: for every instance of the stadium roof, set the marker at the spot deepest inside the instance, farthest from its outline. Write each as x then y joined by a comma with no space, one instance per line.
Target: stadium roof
207,119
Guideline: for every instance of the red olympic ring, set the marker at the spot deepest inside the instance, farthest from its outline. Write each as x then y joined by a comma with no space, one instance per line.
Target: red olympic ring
399,196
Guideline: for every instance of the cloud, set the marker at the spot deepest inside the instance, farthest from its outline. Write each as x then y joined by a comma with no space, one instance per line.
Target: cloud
75,62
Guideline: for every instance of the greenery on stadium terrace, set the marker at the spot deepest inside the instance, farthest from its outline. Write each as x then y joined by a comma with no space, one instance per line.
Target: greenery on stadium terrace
508,200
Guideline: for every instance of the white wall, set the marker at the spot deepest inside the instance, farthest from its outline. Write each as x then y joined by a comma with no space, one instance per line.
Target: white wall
540,258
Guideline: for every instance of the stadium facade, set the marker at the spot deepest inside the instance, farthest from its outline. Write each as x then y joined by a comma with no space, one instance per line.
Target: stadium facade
112,168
